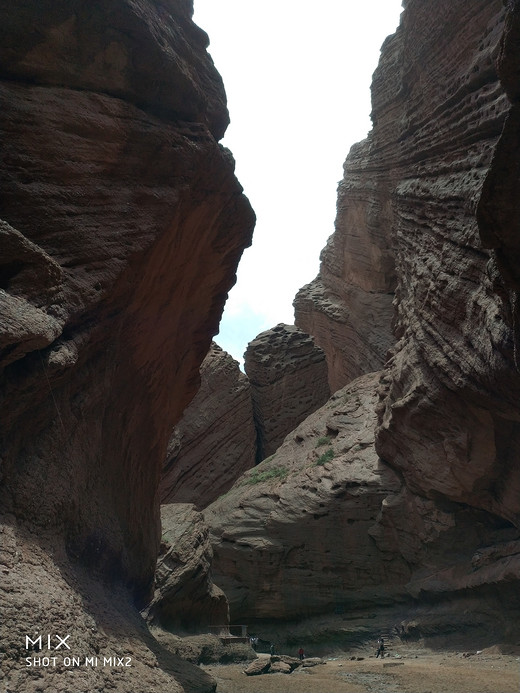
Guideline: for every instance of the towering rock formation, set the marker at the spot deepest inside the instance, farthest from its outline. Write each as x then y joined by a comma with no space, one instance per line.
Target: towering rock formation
448,530
122,225
348,307
288,376
449,413
215,441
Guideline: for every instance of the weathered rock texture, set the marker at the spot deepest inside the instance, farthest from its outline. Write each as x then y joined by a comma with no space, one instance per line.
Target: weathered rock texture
215,441
449,414
352,324
185,598
325,526
122,225
441,526
288,376
292,536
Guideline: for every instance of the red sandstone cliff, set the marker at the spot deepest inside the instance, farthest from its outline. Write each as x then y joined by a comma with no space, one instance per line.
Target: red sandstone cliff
215,441
447,533
122,225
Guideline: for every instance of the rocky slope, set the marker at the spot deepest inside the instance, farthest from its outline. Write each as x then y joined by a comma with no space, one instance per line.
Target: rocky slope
292,536
215,441
288,376
324,526
122,225
445,533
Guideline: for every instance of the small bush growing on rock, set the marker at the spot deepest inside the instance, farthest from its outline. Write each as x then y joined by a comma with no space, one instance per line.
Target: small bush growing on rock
273,473
324,440
326,457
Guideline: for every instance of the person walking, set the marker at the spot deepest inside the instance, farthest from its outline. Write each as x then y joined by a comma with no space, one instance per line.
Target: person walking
380,647
301,653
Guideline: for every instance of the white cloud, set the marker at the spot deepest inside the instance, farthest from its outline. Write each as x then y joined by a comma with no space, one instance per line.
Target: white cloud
297,76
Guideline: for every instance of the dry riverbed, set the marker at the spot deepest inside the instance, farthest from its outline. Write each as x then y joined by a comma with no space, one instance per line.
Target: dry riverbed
419,671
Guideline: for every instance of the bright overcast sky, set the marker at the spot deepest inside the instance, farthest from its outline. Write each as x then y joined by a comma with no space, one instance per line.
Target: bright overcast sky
297,77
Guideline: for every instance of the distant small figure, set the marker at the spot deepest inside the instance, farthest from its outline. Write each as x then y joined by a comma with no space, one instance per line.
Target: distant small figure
301,653
272,649
380,648
254,642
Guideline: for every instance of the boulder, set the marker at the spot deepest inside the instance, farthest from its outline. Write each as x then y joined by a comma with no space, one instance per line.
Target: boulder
312,662
258,666
280,668
185,599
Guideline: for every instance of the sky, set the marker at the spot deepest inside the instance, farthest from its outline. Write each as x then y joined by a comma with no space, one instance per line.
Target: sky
297,76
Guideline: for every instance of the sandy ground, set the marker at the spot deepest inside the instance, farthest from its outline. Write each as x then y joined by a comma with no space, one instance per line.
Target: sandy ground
420,672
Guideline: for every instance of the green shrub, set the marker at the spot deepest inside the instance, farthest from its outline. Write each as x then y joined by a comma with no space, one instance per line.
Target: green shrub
324,440
272,473
327,456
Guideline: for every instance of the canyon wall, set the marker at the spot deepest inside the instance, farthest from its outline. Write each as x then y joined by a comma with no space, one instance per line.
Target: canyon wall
122,226
236,420
292,536
185,599
215,441
446,534
449,411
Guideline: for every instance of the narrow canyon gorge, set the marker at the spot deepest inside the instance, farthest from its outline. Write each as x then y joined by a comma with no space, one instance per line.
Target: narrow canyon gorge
362,474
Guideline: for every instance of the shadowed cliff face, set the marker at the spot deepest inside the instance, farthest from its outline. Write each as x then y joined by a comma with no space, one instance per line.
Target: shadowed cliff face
122,226
215,441
499,221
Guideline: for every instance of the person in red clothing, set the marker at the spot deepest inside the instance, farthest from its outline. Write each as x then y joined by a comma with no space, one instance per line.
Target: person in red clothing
301,653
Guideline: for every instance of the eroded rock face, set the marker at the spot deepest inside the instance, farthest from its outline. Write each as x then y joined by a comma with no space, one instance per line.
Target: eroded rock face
215,441
432,524
122,225
185,598
291,538
449,415
288,376
351,324
325,526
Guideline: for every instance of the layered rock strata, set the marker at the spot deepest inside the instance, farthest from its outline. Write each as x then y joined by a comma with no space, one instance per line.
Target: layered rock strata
326,527
441,527
185,599
449,413
350,323
288,376
292,538
215,441
122,225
